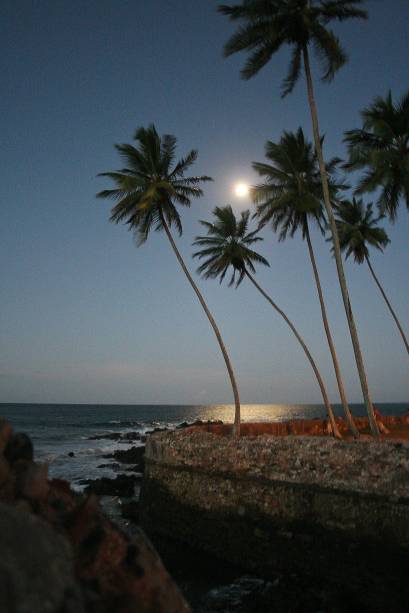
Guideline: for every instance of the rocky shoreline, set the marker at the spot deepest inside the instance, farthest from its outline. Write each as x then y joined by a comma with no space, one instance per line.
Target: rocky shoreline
102,561
61,554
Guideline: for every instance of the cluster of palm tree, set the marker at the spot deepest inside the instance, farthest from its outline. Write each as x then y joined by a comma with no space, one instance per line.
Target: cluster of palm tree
298,188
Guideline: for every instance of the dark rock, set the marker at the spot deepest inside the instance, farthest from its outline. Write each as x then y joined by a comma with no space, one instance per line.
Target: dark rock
6,432
112,436
71,454
130,510
44,524
157,430
31,480
131,436
111,465
122,485
116,436
36,566
134,455
184,424
132,469
199,422
19,447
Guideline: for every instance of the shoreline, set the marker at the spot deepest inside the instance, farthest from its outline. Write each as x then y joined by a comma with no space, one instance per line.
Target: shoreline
207,580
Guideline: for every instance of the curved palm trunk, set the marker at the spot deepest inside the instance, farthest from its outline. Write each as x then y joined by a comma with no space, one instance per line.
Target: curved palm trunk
405,340
308,354
337,250
338,375
236,428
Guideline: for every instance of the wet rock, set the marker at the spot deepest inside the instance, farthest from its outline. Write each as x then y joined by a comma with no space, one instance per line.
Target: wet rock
122,485
134,455
111,465
19,447
132,469
199,422
112,436
131,436
116,436
36,565
184,424
157,430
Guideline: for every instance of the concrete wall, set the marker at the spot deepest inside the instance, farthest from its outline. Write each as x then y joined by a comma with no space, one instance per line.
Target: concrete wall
294,503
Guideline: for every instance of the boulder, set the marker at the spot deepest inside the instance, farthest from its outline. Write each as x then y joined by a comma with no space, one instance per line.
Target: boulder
122,485
6,432
134,455
116,436
36,566
59,553
19,447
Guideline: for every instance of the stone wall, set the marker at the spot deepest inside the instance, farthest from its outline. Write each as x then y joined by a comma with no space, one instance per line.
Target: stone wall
308,504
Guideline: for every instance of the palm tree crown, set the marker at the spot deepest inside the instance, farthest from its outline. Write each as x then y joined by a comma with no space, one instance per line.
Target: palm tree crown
226,245
357,229
381,147
270,24
292,189
148,188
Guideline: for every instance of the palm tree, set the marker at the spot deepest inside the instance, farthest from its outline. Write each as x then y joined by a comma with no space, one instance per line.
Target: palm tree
358,230
269,25
381,147
290,195
146,192
228,245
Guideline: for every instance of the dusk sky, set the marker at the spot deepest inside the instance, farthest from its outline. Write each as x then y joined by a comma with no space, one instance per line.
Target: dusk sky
85,316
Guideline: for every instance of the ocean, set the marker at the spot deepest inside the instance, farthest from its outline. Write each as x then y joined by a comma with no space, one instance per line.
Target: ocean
60,429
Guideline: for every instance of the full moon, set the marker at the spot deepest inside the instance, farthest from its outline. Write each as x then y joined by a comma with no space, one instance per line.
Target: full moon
241,190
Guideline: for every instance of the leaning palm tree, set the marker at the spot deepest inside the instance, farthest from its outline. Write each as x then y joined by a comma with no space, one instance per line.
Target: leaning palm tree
290,196
146,193
268,25
228,245
358,230
381,147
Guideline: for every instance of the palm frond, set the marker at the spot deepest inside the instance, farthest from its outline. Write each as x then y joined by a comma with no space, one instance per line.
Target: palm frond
148,188
226,246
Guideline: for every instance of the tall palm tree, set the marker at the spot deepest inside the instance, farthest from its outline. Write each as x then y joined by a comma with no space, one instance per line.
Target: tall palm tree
228,245
146,193
290,196
269,25
358,230
381,147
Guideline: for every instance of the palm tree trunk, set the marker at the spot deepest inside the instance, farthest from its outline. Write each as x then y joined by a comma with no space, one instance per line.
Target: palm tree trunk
388,304
338,375
236,428
308,354
337,250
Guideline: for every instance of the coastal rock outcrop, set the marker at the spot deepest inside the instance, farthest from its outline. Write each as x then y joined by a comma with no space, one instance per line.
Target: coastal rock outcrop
134,455
36,565
60,553
122,485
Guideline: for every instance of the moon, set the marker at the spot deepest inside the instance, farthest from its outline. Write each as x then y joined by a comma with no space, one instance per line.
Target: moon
241,190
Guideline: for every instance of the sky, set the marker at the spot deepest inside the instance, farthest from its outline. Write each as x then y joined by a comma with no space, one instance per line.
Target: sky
85,316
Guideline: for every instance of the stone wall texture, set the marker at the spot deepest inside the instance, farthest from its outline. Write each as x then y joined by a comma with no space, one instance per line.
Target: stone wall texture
313,504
